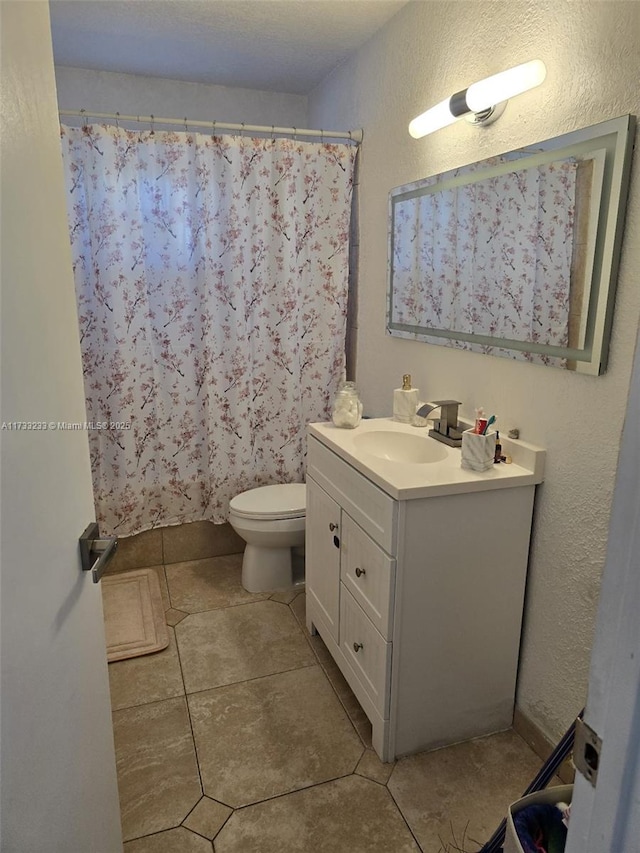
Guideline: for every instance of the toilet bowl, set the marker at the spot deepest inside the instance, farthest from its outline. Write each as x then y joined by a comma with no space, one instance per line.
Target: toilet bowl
271,520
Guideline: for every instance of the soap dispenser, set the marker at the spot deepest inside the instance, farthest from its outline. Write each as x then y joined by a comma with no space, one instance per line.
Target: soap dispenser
405,401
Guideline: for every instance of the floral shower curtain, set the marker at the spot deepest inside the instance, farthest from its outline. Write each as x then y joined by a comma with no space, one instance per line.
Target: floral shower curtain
211,278
490,258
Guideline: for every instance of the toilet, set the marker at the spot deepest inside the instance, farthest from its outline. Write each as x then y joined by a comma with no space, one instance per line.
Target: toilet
271,520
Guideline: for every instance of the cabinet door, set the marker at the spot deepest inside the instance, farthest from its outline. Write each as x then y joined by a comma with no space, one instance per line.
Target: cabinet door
322,556
366,652
369,575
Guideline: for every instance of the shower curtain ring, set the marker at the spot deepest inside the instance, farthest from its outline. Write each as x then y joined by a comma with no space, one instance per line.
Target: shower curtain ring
295,134
272,132
118,120
213,128
185,125
152,130
83,113
242,131
321,136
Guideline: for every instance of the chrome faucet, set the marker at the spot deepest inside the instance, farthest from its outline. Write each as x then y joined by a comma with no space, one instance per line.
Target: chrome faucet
446,429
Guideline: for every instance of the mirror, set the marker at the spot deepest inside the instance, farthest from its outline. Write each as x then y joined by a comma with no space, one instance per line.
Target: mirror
516,255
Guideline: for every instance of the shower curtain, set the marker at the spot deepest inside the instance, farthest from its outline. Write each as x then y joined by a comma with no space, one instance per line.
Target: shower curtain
490,258
211,278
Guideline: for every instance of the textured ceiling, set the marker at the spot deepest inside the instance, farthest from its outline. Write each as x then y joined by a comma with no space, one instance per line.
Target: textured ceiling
277,45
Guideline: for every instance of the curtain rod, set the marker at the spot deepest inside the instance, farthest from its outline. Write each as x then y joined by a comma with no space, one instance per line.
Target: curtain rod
352,135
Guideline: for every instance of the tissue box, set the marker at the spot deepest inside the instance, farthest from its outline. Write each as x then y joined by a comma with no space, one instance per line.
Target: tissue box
478,451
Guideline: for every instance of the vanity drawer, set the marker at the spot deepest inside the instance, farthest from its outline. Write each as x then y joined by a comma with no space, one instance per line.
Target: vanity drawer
373,510
366,651
369,575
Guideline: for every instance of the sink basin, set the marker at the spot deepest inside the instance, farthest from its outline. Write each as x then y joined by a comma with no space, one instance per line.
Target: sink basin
400,446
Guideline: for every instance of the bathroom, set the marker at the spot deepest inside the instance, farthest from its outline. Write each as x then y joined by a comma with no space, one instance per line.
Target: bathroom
426,51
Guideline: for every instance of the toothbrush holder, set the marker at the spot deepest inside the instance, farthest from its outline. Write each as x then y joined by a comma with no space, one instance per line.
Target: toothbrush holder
478,451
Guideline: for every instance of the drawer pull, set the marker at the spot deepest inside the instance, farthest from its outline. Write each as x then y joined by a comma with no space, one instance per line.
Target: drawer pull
332,526
360,572
357,647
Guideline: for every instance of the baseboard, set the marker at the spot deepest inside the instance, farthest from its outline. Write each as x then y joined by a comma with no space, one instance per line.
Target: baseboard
541,745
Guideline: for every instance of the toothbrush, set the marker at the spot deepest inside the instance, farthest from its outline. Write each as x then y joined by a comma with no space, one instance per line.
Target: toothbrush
488,424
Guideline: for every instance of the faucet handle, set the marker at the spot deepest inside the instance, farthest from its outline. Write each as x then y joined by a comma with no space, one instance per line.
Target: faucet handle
449,409
446,403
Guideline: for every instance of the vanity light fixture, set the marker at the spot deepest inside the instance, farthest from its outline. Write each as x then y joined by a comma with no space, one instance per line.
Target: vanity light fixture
483,102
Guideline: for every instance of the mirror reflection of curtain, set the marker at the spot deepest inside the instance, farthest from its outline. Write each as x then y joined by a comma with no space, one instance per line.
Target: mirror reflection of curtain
490,258
211,278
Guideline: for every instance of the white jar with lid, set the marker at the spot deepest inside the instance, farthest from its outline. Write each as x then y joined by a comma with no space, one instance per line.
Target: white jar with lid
347,407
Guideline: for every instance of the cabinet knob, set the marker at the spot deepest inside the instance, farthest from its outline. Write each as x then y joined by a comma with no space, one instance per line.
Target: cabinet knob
357,647
332,526
360,572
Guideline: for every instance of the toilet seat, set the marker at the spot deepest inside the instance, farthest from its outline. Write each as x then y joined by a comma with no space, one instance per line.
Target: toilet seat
287,500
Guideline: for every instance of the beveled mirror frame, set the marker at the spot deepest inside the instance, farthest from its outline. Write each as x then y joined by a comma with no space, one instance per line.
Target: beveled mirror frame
612,142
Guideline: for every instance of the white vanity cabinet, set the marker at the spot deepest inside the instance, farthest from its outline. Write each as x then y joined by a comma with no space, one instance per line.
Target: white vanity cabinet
322,540
419,600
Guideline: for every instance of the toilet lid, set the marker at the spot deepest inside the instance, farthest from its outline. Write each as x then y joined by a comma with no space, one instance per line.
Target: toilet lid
284,501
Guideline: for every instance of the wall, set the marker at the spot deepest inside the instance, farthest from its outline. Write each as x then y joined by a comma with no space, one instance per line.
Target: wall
131,94
424,54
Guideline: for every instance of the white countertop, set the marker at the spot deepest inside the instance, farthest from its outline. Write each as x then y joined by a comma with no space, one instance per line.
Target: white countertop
408,480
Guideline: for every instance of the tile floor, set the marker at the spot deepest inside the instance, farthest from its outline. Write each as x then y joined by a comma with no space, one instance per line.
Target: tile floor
242,736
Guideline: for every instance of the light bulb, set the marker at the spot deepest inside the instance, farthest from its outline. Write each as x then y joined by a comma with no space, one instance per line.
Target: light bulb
500,87
433,119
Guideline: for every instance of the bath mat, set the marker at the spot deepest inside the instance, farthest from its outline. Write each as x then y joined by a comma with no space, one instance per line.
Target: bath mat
133,614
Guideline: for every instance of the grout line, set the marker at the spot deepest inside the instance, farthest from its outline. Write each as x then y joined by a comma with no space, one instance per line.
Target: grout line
146,704
224,823
203,559
308,787
324,672
316,662
397,805
193,737
199,834
249,680
166,583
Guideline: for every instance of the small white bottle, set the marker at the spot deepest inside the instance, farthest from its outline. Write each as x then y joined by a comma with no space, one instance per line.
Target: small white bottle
405,401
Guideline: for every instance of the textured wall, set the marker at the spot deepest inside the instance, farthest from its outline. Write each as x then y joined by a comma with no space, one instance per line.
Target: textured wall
427,52
130,94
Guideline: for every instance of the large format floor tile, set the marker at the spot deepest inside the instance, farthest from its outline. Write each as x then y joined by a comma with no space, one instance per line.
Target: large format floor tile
157,771
238,643
270,736
332,671
351,815
207,818
148,678
269,710
208,584
178,840
462,790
